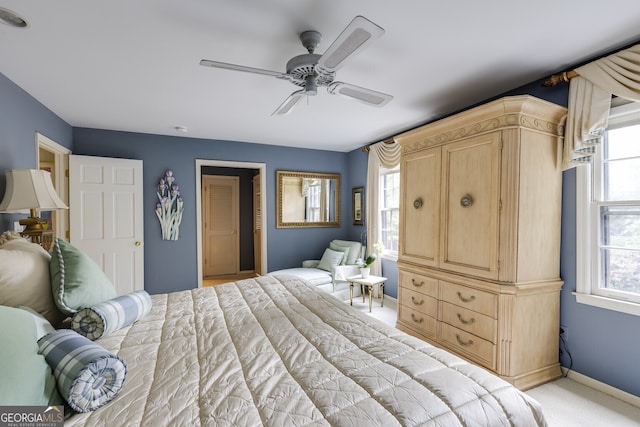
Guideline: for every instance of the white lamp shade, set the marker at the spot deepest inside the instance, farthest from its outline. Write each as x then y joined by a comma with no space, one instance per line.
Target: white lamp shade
29,189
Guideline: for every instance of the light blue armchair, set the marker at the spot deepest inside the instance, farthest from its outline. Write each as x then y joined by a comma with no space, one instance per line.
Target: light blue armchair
330,273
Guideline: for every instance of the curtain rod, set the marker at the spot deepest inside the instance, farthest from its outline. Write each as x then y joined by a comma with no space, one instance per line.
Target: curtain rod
366,148
554,79
559,78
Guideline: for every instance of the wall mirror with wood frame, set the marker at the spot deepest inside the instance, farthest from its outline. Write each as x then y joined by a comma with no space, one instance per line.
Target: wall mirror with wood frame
307,199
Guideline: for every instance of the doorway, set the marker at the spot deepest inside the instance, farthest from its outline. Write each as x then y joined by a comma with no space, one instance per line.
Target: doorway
260,170
53,157
220,225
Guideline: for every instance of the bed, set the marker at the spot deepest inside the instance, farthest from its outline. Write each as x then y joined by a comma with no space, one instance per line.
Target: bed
276,351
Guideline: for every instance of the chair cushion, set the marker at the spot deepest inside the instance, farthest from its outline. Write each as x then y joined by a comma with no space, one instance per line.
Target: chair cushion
354,249
344,249
330,259
314,276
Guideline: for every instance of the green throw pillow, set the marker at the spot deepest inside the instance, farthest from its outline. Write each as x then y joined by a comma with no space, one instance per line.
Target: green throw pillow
26,377
354,249
330,259
343,249
77,281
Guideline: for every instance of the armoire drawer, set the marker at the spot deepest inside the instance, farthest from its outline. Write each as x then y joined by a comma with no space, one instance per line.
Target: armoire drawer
470,321
420,322
418,283
473,347
470,298
419,302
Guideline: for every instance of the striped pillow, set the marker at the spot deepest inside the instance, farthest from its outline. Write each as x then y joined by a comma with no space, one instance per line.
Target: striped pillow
87,375
103,318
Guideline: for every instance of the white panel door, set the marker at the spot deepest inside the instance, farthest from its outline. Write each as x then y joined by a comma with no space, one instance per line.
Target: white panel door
106,217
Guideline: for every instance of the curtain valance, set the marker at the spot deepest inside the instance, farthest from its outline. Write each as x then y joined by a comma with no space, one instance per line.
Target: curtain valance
590,98
380,154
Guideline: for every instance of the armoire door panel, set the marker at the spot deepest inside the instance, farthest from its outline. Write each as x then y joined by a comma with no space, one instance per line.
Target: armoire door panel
421,207
470,206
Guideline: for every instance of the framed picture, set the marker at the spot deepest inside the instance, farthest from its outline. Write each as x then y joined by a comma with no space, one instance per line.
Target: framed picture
357,205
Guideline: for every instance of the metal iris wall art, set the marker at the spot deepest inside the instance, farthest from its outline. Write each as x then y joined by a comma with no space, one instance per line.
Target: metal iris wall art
169,207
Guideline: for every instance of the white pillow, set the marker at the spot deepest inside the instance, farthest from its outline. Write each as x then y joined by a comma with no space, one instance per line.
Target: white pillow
344,250
43,327
330,259
24,279
354,250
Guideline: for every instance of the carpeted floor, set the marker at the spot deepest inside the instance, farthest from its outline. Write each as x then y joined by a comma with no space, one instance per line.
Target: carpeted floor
567,403
387,314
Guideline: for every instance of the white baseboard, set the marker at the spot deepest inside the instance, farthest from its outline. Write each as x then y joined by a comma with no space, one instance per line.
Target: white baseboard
392,300
604,388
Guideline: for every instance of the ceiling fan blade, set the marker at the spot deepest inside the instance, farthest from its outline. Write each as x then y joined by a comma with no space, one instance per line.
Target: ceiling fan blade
234,67
356,36
289,103
368,96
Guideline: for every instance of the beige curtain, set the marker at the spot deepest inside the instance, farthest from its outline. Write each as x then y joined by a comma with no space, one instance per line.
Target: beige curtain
380,154
590,98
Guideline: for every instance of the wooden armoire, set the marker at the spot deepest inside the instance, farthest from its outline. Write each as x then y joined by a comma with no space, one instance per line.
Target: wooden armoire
479,256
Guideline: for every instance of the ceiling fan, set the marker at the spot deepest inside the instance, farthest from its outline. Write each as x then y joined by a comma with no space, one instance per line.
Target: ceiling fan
311,70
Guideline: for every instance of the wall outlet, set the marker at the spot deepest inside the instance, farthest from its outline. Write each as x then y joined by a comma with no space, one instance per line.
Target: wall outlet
17,226
564,333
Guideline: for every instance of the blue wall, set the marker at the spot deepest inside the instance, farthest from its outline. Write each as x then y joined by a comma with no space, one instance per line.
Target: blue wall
21,117
171,265
603,343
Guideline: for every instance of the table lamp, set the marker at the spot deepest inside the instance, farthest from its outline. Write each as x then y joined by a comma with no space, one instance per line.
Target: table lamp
29,190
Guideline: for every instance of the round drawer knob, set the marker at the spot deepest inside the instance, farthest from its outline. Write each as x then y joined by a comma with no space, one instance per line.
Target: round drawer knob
466,201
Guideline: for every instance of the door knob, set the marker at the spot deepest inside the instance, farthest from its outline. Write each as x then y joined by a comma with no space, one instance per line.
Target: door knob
138,243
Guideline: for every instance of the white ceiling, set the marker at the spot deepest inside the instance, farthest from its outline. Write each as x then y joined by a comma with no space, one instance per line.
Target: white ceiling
134,65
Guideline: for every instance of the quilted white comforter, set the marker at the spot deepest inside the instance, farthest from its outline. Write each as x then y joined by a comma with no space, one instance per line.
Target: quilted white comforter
274,351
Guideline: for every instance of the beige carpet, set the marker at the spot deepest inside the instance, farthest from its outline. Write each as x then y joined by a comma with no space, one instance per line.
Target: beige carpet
565,402
387,314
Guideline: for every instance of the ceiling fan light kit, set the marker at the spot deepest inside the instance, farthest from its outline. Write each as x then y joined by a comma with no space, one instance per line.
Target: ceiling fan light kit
311,70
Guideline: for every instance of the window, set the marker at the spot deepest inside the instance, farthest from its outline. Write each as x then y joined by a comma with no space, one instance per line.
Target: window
313,202
389,205
608,217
